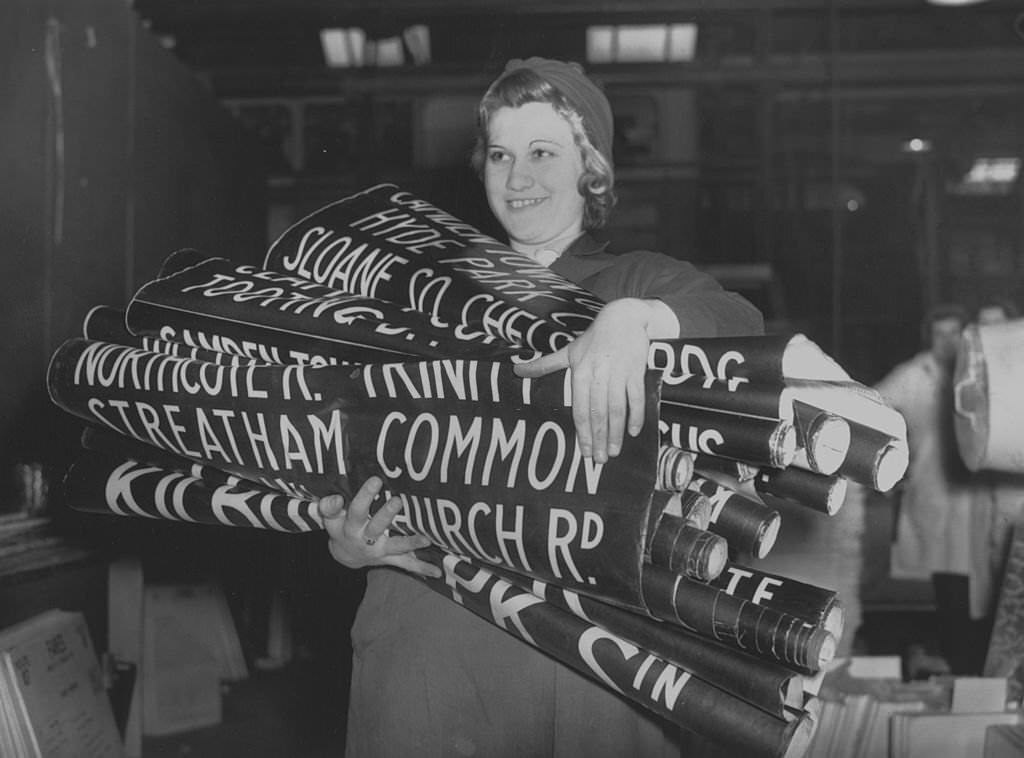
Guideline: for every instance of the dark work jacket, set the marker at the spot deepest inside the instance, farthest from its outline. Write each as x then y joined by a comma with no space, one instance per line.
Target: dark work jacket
703,307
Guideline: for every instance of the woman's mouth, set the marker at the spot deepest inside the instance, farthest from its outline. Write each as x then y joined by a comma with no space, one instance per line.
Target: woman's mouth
524,203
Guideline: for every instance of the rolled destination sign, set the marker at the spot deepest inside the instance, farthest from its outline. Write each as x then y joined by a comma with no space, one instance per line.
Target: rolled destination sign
852,401
713,464
823,438
987,399
818,492
737,395
769,359
485,463
280,318
101,482
707,431
691,507
113,445
675,468
816,605
748,526
765,684
736,622
386,243
106,324
875,459
278,422
695,508
619,663
682,548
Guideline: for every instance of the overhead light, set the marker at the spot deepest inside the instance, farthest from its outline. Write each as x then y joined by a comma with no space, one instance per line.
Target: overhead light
916,145
988,176
952,3
385,52
641,43
417,41
343,48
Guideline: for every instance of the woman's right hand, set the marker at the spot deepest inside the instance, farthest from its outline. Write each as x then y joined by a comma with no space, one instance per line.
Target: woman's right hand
355,539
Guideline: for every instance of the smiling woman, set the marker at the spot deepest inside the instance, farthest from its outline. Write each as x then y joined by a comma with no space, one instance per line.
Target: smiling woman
428,678
530,175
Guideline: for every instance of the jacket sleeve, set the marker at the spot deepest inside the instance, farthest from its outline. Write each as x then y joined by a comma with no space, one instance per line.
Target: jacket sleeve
703,307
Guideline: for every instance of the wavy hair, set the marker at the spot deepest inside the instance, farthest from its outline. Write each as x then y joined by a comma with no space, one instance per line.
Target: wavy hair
596,185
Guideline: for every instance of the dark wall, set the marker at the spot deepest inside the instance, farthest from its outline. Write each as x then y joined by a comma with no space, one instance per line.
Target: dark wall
113,156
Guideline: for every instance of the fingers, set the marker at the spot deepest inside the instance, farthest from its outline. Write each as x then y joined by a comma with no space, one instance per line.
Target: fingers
359,508
581,411
546,364
377,525
616,419
636,398
414,565
599,416
356,539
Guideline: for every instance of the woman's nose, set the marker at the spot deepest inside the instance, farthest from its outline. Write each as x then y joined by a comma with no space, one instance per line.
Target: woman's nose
519,177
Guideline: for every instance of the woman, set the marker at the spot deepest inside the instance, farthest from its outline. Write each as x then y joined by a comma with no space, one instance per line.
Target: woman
429,678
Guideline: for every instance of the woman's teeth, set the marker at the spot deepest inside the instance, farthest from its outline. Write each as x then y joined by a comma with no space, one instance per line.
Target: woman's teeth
525,203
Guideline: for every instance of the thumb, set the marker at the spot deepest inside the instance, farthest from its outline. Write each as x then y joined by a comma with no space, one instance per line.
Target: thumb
546,364
331,506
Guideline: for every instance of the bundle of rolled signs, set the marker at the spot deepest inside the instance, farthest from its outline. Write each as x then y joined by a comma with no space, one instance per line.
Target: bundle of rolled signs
378,337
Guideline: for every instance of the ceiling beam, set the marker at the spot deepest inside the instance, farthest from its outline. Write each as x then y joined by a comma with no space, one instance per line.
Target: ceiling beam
191,11
939,70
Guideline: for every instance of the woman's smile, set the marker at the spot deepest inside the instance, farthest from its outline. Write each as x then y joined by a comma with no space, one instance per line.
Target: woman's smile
522,203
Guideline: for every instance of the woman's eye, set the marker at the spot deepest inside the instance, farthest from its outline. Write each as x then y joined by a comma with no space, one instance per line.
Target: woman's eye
540,152
496,156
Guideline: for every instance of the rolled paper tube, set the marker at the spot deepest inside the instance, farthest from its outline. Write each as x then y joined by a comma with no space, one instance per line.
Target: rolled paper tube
770,400
180,260
764,441
684,549
818,492
385,243
853,401
988,410
875,459
106,324
748,526
823,437
111,443
769,685
736,622
695,508
109,484
803,359
634,672
738,470
817,606
769,358
683,506
112,446
675,467
279,318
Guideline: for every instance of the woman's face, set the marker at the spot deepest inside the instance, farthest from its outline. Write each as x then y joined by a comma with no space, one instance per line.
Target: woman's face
532,167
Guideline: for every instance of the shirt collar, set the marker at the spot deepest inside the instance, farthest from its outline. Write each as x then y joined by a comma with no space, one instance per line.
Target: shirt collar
585,245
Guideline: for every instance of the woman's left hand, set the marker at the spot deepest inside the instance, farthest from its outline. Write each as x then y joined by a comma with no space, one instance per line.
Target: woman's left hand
607,362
